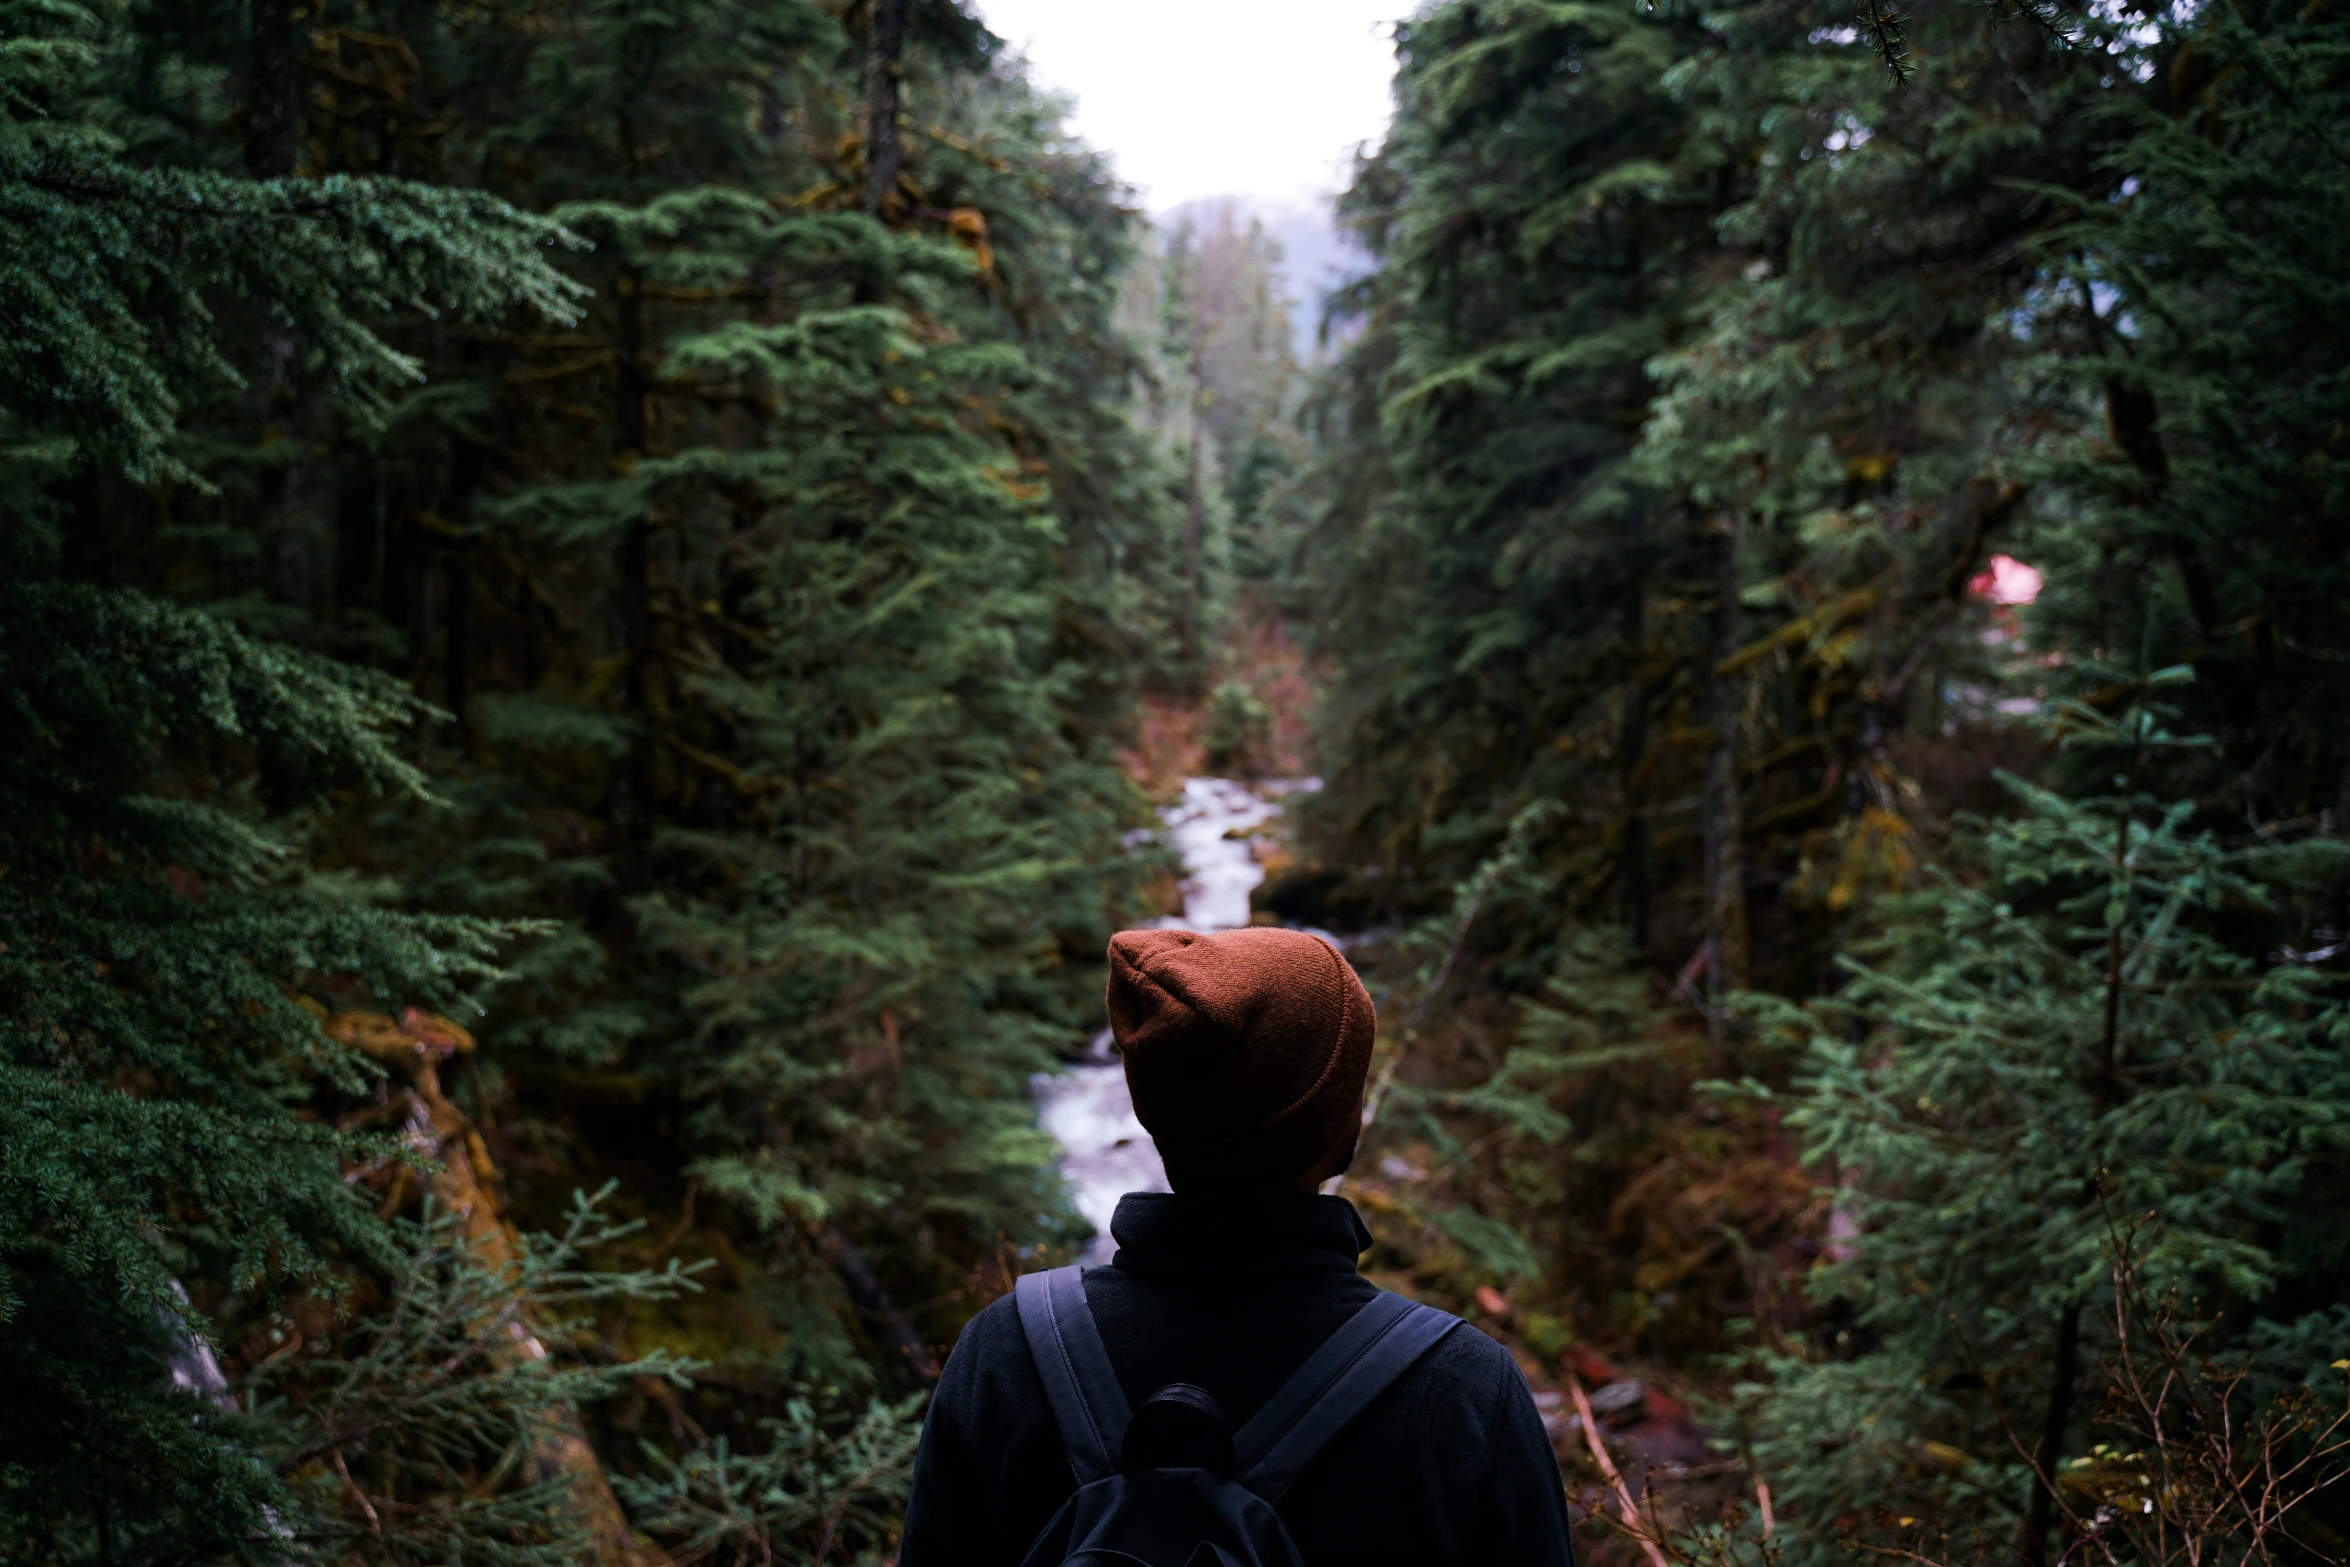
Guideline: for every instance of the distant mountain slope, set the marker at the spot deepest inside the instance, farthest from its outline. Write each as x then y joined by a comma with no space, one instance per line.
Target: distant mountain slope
1316,257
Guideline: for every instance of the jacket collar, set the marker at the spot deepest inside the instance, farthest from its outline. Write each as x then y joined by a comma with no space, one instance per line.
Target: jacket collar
1172,1233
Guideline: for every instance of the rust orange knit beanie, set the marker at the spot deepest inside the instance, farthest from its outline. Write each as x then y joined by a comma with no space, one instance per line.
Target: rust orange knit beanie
1245,1051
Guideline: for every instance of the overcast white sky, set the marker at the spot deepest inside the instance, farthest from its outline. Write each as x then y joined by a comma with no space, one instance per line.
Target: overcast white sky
1192,98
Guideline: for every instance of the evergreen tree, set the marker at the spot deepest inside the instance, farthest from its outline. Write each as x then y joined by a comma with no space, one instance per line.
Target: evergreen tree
686,606
2106,1025
1228,337
566,536
2195,342
1539,212
876,928
443,1424
2131,1018
1732,690
159,922
857,825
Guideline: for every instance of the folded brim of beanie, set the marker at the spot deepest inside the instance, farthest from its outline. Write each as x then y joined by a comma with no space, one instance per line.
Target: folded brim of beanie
1245,1051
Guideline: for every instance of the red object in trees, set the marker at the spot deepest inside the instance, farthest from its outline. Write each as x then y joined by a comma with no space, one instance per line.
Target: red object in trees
2007,581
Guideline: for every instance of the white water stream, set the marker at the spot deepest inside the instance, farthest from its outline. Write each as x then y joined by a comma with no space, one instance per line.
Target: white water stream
1106,1153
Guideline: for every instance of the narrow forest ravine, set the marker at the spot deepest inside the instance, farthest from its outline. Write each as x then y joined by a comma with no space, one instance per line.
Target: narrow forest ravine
604,604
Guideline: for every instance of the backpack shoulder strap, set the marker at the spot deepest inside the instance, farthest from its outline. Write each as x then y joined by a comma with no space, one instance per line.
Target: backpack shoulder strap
1087,1401
1338,1382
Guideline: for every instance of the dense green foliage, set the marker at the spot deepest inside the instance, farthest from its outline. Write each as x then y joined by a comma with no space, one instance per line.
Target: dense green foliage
771,547
157,906
1707,366
2093,1038
646,527
154,912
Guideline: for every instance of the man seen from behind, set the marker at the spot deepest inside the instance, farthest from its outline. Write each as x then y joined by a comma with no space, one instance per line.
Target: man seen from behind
1230,1390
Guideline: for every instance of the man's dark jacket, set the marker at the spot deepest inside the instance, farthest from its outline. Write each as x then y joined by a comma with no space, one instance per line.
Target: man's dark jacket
1450,1465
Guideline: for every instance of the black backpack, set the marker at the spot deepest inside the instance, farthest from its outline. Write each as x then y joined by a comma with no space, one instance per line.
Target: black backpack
1170,1484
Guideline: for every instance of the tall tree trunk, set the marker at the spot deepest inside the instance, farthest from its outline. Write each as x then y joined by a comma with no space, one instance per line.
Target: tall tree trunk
2107,1091
86,553
359,535
407,558
2133,420
457,665
2107,1087
633,786
274,118
885,69
272,151
1725,821
2040,1511
1193,283
1195,521
1631,747
457,570
884,1317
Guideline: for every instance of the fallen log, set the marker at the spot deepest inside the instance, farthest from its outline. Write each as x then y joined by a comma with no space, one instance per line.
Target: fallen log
463,1182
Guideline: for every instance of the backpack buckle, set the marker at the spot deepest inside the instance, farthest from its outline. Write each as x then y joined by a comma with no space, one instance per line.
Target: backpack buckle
1179,1427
